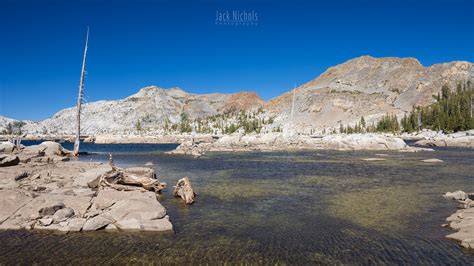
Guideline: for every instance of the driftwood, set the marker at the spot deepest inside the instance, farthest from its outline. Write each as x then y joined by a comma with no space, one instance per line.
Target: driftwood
184,190
135,178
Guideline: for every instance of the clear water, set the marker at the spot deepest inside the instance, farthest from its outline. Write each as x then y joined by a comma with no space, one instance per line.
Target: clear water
304,207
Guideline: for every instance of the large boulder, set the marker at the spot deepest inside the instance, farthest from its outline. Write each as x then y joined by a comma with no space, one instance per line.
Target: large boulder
96,223
62,214
131,210
457,195
363,142
122,204
51,209
47,148
7,147
91,177
162,224
9,160
141,171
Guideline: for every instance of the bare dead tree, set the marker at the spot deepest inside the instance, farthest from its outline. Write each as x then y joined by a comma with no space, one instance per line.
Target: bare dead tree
79,99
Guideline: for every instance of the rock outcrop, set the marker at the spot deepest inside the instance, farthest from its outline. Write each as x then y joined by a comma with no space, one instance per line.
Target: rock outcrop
279,141
460,139
73,196
463,219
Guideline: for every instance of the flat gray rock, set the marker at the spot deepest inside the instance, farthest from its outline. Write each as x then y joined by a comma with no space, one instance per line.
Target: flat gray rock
87,178
11,201
96,223
433,160
62,214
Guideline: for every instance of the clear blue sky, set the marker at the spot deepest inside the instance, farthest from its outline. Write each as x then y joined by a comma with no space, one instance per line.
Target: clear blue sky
175,43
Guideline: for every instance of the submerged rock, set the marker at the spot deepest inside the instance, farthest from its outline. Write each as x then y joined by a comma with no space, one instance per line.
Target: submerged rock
373,159
433,160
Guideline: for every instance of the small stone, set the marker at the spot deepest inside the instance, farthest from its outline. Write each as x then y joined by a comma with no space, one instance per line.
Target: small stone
36,188
35,176
50,210
64,223
62,214
75,224
96,223
373,159
20,176
45,221
111,227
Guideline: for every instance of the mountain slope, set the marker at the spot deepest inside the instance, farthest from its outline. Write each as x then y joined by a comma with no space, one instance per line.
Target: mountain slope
151,106
366,86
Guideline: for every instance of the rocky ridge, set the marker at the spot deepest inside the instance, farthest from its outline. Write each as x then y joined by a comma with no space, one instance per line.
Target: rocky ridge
151,107
364,86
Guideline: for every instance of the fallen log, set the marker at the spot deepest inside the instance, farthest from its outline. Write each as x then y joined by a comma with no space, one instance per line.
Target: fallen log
129,179
184,190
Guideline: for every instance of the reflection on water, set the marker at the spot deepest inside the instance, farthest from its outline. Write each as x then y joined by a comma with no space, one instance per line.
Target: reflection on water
279,207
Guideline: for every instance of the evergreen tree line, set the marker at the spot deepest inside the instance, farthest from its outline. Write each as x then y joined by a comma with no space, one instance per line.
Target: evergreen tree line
248,121
451,112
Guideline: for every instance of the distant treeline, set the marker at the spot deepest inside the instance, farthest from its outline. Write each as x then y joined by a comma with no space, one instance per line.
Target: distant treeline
451,112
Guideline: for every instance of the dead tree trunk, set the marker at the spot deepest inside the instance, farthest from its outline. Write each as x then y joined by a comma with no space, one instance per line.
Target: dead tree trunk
79,99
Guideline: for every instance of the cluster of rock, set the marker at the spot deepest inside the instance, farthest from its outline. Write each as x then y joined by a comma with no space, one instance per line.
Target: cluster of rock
47,151
280,141
43,192
463,219
461,139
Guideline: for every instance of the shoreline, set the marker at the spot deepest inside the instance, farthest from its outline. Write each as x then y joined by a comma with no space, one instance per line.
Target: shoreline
48,191
424,138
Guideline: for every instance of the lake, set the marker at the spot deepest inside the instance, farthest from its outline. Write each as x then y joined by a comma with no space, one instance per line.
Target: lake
287,207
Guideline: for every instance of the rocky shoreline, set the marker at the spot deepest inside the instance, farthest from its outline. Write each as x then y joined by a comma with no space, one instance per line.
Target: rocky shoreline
44,189
460,139
463,219
267,141
278,141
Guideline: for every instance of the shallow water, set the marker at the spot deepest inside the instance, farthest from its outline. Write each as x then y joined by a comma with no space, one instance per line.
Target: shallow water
316,207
